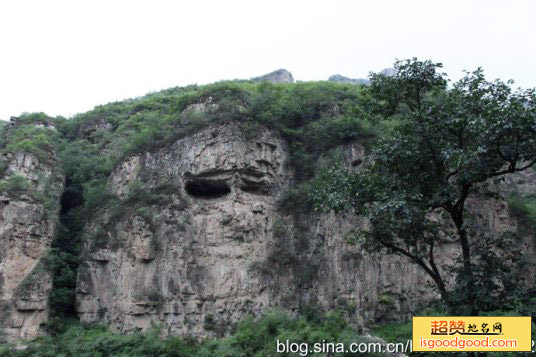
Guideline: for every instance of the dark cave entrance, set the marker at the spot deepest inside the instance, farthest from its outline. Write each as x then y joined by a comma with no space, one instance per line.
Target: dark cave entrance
202,188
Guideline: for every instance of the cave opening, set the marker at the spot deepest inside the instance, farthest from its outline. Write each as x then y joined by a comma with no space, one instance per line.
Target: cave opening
202,188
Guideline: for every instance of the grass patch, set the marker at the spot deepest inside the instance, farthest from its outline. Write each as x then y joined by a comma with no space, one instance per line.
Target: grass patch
394,332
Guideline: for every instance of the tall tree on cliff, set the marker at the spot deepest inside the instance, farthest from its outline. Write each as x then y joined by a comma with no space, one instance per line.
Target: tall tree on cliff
448,142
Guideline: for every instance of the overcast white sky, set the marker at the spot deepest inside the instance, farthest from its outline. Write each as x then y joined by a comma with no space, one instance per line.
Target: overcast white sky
65,57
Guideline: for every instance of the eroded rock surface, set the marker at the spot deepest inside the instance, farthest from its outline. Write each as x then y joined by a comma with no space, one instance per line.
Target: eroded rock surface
277,76
195,238
27,228
187,258
198,242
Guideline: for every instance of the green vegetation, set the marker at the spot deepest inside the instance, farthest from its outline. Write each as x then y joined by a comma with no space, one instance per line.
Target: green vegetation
395,331
524,208
250,337
14,185
313,117
31,133
34,134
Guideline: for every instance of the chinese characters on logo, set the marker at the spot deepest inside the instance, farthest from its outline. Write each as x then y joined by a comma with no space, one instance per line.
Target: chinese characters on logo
444,327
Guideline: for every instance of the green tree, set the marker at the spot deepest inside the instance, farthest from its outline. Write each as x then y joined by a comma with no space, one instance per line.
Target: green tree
448,142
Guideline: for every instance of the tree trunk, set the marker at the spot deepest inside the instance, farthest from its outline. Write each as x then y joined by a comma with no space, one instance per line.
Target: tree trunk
457,217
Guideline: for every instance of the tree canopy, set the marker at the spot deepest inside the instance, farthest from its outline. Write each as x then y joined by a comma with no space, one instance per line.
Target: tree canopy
449,141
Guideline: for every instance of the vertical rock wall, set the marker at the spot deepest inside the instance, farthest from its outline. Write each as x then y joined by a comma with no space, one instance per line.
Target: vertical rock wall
197,242
194,218
28,220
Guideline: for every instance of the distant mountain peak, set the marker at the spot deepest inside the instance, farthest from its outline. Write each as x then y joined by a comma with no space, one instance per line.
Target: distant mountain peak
278,76
343,79
389,72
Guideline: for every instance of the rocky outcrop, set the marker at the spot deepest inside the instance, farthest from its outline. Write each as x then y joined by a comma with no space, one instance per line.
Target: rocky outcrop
28,219
520,183
198,241
185,258
278,76
343,79
389,72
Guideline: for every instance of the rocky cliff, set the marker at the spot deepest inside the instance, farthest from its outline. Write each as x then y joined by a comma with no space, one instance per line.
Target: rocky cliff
180,202
29,203
215,247
211,244
187,256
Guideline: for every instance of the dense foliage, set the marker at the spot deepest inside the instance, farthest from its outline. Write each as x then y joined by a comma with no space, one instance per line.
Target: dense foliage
31,133
314,117
449,143
251,337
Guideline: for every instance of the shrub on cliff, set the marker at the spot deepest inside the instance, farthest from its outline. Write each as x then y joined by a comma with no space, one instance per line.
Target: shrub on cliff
32,133
524,208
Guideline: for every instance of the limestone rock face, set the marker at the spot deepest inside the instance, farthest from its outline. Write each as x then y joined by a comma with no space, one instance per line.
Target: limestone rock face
187,257
198,241
520,183
278,76
27,228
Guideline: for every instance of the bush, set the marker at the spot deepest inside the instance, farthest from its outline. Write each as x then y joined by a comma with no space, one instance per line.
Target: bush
251,337
96,194
395,332
524,209
31,136
15,185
